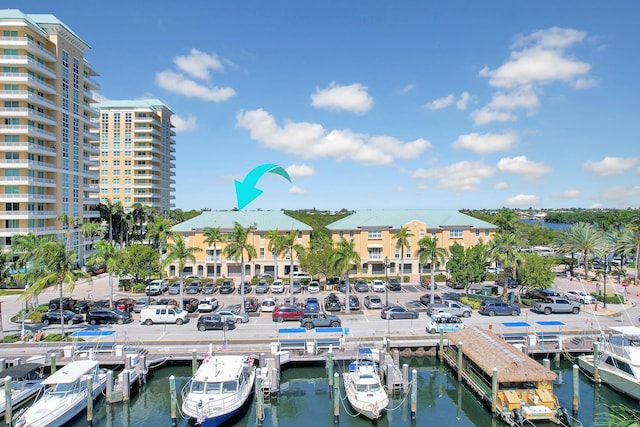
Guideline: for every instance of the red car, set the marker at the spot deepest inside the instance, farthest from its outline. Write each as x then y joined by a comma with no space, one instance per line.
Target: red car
286,312
125,304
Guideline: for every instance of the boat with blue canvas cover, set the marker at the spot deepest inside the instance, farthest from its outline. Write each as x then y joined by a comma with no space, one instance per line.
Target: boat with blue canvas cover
26,380
63,395
363,386
219,389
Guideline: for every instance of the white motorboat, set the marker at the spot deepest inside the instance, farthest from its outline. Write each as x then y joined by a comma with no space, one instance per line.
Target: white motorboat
617,361
63,395
219,389
364,389
26,380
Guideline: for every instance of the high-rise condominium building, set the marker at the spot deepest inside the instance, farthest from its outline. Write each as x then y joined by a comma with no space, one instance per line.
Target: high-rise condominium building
136,154
46,169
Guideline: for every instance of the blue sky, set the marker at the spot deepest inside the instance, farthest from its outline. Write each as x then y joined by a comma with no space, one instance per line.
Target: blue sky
382,104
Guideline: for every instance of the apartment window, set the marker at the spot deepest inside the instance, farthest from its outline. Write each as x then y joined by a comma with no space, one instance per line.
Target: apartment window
116,163
116,154
341,234
127,181
261,253
116,191
104,191
351,234
104,153
127,191
127,162
116,182
374,234
104,163
455,234
12,223
477,232
12,189
116,172
127,199
375,253
104,172
12,206
127,171
104,181
486,233
11,172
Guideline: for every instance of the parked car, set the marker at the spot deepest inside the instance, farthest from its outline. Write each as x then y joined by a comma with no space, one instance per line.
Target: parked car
427,284
444,322
286,312
394,285
82,306
163,314
234,315
156,287
214,321
313,287
208,288
332,303
262,287
312,304
251,304
124,304
372,302
268,305
415,305
277,287
68,317
207,305
95,317
312,320
361,286
246,286
67,303
296,287
264,276
426,299
398,312
493,307
167,301
193,288
192,276
354,303
142,302
174,289
227,287
536,293
556,305
377,285
191,305
580,296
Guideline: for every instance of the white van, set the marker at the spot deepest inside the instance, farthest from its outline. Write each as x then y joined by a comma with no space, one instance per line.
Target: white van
277,287
163,314
299,275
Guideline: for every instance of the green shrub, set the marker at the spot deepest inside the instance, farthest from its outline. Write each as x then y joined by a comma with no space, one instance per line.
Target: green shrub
57,337
611,299
440,277
35,316
11,339
139,288
471,302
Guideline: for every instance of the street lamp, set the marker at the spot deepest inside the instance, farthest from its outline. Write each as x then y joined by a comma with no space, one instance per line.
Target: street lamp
386,284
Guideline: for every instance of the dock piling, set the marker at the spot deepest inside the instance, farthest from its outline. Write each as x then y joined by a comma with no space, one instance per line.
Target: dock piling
405,378
596,374
494,391
441,345
174,402
126,386
330,369
414,393
53,363
576,391
109,386
8,415
546,363
460,354
194,361
89,401
259,401
336,399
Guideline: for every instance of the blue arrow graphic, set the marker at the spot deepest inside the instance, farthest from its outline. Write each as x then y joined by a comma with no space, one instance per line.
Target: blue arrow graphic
246,190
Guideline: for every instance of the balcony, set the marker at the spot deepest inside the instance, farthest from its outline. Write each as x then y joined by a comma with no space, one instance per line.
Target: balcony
27,130
28,113
27,180
25,197
28,44
91,83
89,109
30,63
27,214
38,231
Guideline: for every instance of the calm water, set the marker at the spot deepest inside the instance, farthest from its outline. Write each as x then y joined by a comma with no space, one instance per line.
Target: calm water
305,400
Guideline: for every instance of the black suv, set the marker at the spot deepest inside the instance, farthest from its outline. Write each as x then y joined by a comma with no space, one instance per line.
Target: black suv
208,288
227,287
332,303
394,285
69,317
67,303
95,317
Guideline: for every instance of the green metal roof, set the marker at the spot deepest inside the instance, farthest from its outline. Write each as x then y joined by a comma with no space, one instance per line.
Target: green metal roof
264,220
140,103
395,219
37,20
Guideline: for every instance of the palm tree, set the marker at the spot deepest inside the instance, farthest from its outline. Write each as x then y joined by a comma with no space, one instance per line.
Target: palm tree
289,245
506,220
59,263
583,238
6,265
107,254
236,247
180,252
213,236
343,260
430,253
109,212
504,249
628,243
68,221
276,246
89,230
402,241
159,231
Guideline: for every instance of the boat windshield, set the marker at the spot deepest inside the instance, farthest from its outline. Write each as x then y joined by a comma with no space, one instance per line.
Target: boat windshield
214,388
363,388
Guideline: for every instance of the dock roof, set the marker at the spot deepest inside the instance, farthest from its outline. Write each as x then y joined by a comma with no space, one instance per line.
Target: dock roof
487,350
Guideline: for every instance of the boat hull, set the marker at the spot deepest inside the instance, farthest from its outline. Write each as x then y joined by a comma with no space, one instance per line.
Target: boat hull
22,392
365,392
623,383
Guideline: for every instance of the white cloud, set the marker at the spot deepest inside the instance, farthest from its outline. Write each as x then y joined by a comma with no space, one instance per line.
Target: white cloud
520,165
462,176
485,143
406,89
568,194
501,186
449,100
440,103
611,165
485,116
537,59
297,190
352,98
463,101
99,97
178,83
198,64
311,140
522,200
622,193
184,125
298,171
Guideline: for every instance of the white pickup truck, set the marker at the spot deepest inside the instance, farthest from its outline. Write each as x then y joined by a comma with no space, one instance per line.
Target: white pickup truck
449,306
